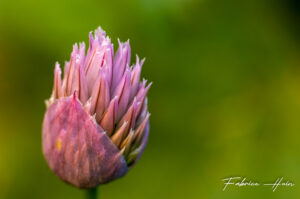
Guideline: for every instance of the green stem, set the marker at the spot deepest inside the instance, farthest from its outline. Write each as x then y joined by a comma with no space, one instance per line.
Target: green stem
92,193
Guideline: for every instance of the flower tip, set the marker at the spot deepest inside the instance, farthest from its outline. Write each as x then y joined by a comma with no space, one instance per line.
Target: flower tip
137,58
75,95
75,47
149,85
122,150
128,69
99,32
115,98
87,106
134,99
81,45
142,61
57,68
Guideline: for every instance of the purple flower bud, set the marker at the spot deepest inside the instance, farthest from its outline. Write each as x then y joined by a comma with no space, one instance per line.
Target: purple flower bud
97,122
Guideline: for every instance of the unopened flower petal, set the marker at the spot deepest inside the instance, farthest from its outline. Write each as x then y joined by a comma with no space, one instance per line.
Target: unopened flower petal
109,117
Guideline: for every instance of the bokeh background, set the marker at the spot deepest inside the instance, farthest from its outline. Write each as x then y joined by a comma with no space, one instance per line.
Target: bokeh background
225,99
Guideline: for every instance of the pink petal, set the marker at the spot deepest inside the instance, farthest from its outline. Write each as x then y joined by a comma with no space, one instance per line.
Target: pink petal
123,91
100,96
122,59
109,117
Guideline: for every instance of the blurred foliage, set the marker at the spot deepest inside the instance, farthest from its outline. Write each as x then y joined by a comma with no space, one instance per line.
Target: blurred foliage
225,100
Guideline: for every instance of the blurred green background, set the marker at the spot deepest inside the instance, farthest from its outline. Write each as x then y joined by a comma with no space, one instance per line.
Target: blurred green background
225,99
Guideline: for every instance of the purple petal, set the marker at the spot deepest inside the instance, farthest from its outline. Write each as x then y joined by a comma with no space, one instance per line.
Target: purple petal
135,77
57,87
100,96
122,59
123,91
83,89
130,117
109,117
93,65
119,135
141,95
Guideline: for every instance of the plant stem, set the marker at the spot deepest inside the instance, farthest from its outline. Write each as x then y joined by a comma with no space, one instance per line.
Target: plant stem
92,193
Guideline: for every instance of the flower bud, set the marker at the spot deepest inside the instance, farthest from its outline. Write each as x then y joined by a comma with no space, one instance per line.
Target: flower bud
97,122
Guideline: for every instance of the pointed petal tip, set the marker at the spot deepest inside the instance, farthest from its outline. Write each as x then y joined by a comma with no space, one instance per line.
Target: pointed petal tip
138,61
57,69
149,85
122,150
127,142
100,32
57,65
119,42
143,60
87,105
115,97
75,47
81,45
75,95
119,135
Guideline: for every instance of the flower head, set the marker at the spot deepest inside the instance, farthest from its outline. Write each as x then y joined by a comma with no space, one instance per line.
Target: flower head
97,123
